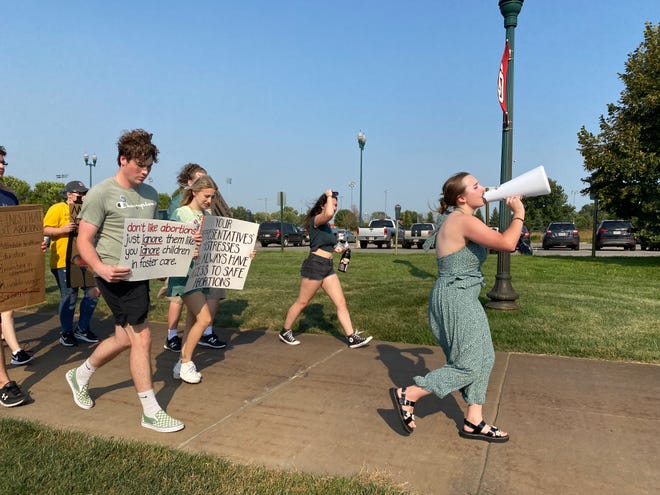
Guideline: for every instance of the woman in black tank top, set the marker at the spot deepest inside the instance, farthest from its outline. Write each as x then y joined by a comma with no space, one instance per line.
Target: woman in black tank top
317,271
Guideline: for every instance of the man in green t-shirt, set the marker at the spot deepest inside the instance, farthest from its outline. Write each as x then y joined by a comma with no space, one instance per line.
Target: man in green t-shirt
100,236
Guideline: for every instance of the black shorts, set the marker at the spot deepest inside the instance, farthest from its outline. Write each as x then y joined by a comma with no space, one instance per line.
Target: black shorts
316,267
128,301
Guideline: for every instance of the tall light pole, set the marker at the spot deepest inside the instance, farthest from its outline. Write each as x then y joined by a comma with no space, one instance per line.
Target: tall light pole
89,164
386,191
62,176
265,200
362,140
502,294
352,185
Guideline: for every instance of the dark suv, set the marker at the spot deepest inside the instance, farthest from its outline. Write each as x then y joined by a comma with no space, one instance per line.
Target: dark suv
283,233
561,234
616,233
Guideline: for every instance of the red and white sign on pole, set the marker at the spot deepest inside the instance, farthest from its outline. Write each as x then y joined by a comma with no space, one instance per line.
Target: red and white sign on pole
501,79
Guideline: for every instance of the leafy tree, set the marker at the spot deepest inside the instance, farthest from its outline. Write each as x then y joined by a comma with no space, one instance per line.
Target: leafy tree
346,219
409,217
20,188
163,201
553,207
378,214
479,215
494,220
430,218
46,194
239,212
624,158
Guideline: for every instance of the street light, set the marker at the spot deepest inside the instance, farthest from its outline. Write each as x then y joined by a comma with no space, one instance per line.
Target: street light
62,176
362,140
352,185
90,164
386,191
265,200
502,295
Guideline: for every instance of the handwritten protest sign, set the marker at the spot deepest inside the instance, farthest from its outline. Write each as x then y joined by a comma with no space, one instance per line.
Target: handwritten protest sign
224,254
78,274
157,248
22,279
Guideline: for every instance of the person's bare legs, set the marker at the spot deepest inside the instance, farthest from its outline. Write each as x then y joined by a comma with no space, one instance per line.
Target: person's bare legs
4,377
174,314
332,287
8,330
138,339
199,317
474,411
308,288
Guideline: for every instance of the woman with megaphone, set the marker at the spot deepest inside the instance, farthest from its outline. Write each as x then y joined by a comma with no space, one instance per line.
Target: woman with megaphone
457,318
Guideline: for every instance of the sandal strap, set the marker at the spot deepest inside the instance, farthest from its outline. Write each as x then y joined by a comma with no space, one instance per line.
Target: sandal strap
476,428
402,399
493,431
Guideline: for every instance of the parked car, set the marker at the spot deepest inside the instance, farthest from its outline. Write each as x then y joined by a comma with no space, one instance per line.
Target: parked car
616,233
561,234
524,243
283,233
346,235
381,232
419,233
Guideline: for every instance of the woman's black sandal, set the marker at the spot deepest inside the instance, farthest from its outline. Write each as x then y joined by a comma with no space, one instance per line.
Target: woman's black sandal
492,435
405,416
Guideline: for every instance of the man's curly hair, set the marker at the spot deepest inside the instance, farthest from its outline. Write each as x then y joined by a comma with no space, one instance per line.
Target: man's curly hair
3,151
137,145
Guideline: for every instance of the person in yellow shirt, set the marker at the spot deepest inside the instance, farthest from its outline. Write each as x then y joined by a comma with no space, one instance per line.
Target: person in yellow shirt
58,225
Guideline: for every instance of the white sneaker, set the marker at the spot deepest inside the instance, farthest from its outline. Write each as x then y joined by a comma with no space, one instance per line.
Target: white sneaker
186,372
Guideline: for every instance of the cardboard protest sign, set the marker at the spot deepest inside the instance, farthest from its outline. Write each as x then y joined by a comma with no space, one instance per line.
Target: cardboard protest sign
157,248
22,270
77,272
224,254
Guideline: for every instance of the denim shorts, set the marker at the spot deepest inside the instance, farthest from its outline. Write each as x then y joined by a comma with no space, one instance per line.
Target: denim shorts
317,267
128,301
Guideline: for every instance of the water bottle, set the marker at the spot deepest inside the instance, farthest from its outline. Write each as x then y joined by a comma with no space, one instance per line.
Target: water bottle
345,260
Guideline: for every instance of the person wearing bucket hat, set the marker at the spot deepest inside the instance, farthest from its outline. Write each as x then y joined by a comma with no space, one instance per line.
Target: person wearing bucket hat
59,225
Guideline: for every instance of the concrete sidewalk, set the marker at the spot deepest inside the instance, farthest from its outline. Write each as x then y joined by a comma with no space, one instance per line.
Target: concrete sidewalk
577,426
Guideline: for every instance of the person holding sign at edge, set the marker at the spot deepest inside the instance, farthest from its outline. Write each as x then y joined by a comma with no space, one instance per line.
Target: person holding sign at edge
58,225
317,271
100,236
201,303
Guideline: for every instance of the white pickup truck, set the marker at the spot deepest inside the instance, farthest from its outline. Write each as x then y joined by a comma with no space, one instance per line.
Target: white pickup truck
382,232
419,232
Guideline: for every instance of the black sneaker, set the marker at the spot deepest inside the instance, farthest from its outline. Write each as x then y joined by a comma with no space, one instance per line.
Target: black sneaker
68,340
11,395
355,341
85,335
21,357
287,337
173,344
211,340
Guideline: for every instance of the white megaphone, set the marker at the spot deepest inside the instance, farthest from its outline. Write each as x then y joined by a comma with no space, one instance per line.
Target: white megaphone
532,183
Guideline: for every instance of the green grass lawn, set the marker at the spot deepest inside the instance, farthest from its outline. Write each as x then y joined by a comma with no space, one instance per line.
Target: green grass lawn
603,308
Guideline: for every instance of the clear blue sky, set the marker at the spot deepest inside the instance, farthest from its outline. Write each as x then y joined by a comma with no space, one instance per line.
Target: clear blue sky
272,93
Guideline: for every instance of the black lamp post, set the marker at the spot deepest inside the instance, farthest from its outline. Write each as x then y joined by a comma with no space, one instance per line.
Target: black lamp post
89,164
362,140
502,294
